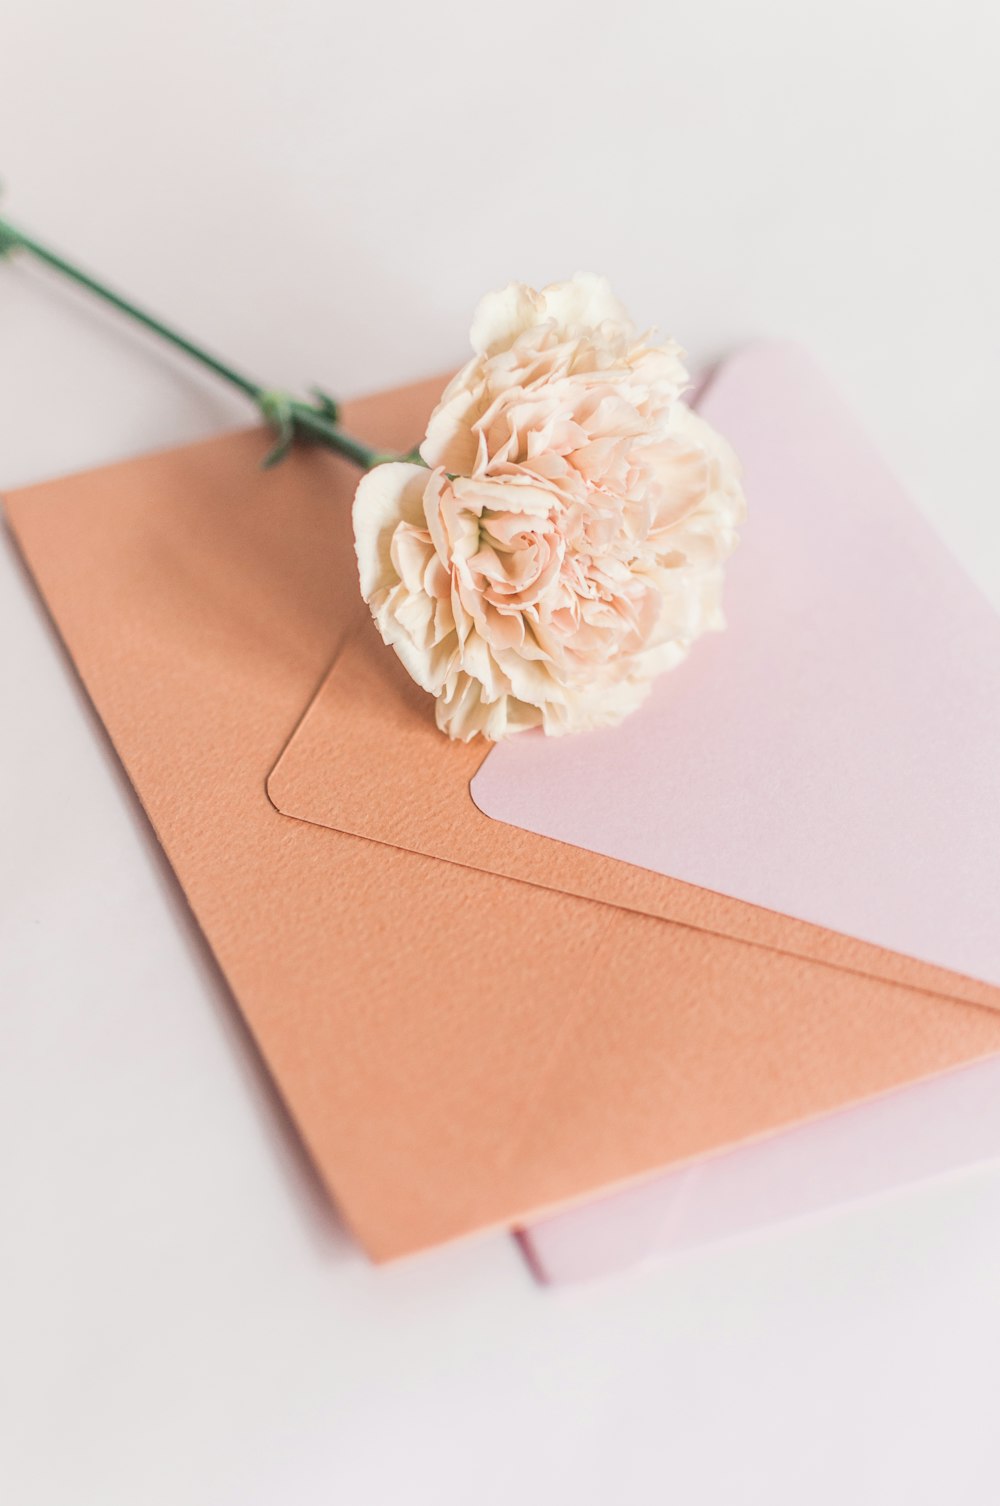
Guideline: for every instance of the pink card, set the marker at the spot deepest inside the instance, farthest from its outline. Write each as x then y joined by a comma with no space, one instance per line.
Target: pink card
835,754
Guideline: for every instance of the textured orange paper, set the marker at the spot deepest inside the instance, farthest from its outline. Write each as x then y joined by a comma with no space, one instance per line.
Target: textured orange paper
469,1024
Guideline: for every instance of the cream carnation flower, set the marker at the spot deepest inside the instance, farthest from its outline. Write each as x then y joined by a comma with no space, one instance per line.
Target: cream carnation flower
567,542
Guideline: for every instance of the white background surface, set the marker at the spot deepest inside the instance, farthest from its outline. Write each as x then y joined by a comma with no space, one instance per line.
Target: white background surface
323,194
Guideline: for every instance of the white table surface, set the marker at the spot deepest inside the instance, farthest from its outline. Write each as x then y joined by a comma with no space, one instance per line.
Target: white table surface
323,195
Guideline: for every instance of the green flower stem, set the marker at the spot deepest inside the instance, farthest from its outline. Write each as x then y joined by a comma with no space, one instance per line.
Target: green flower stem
289,416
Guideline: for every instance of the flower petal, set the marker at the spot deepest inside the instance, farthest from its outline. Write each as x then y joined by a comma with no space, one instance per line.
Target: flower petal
583,303
503,315
386,496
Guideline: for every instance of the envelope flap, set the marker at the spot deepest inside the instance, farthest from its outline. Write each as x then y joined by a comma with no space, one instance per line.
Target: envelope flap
367,759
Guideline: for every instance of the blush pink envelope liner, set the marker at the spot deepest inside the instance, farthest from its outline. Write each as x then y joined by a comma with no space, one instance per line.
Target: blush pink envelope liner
834,754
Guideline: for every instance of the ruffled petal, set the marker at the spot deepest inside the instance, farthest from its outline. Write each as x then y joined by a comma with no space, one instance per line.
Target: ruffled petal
584,303
386,496
504,315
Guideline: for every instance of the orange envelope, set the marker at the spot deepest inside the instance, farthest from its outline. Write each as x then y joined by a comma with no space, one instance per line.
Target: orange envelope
470,1023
